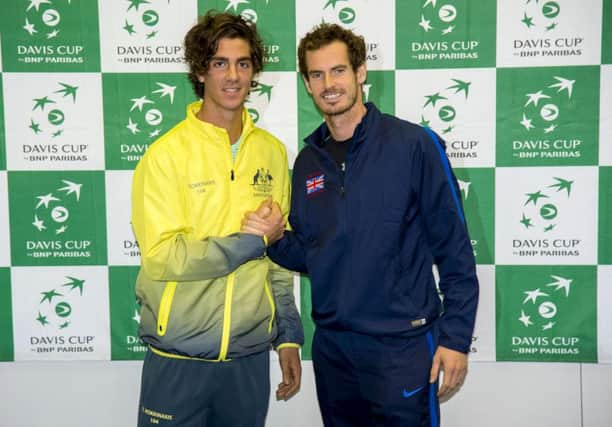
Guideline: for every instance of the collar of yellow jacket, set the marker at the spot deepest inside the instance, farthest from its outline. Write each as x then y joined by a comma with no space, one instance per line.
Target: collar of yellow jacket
211,130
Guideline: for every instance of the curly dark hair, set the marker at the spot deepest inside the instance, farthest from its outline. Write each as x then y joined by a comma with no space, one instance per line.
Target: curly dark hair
325,34
202,42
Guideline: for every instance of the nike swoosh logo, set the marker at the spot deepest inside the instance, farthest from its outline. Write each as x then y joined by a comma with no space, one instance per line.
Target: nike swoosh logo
410,393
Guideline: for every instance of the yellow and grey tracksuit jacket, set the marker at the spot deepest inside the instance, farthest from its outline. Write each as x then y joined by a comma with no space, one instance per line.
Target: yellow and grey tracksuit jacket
206,290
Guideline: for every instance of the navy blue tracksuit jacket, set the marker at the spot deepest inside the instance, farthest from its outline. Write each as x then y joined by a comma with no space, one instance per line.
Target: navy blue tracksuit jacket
368,236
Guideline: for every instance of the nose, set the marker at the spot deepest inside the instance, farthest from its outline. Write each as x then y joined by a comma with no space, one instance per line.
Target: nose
232,72
328,81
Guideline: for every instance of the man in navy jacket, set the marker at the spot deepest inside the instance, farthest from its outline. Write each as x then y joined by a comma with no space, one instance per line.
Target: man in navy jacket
375,205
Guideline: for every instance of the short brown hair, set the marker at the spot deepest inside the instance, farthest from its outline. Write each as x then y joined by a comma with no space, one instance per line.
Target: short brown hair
202,42
324,34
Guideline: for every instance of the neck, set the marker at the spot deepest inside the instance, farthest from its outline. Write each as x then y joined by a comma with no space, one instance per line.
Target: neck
231,121
342,126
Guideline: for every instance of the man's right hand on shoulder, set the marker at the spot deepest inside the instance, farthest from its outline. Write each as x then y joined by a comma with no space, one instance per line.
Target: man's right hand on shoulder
267,221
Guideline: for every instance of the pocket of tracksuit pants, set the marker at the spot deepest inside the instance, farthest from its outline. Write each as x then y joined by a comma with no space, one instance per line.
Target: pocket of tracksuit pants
410,362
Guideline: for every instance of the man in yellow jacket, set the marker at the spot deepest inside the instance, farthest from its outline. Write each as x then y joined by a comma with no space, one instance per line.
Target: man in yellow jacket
212,302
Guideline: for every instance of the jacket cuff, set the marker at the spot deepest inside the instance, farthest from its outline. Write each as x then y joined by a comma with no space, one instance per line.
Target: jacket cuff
288,345
454,345
294,337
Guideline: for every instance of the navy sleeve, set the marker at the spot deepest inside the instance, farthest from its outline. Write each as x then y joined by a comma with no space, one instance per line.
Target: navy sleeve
290,251
449,242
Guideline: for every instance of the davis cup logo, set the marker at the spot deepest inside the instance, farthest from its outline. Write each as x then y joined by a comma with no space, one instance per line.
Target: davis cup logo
534,29
42,19
438,19
434,31
546,216
48,114
546,314
54,215
53,32
51,216
261,90
141,22
146,114
542,110
540,306
541,15
540,209
145,33
440,108
55,308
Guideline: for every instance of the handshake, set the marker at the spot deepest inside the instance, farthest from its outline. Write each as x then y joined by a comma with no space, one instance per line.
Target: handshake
266,221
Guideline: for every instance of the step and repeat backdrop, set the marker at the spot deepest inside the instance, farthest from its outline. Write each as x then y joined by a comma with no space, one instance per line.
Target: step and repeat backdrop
520,91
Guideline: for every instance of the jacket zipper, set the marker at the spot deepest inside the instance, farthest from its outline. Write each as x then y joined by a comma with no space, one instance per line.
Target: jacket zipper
229,290
341,174
229,286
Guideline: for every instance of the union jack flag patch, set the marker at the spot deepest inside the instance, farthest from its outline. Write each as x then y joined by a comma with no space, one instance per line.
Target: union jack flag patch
315,184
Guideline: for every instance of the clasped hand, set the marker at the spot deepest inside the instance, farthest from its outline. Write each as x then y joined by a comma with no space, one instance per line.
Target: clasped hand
267,221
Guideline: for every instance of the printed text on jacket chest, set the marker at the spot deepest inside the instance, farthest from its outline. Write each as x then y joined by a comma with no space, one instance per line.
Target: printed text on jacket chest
201,186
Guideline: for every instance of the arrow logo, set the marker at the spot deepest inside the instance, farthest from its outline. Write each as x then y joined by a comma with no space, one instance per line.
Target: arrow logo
51,17
447,13
549,112
551,9
154,117
56,117
346,15
447,113
547,310
548,211
150,18
60,214
63,309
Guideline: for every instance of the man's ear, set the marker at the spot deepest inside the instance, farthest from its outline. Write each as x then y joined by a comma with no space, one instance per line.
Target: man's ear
201,78
361,74
307,84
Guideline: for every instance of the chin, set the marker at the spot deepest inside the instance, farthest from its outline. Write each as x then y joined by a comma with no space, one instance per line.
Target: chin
234,106
334,111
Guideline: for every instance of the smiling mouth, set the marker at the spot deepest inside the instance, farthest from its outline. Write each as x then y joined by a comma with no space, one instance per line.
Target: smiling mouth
331,96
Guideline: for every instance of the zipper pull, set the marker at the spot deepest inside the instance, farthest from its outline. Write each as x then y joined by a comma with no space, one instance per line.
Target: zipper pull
232,175
342,191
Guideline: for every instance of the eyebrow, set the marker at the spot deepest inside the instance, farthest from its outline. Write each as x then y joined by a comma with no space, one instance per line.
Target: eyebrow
335,67
224,58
